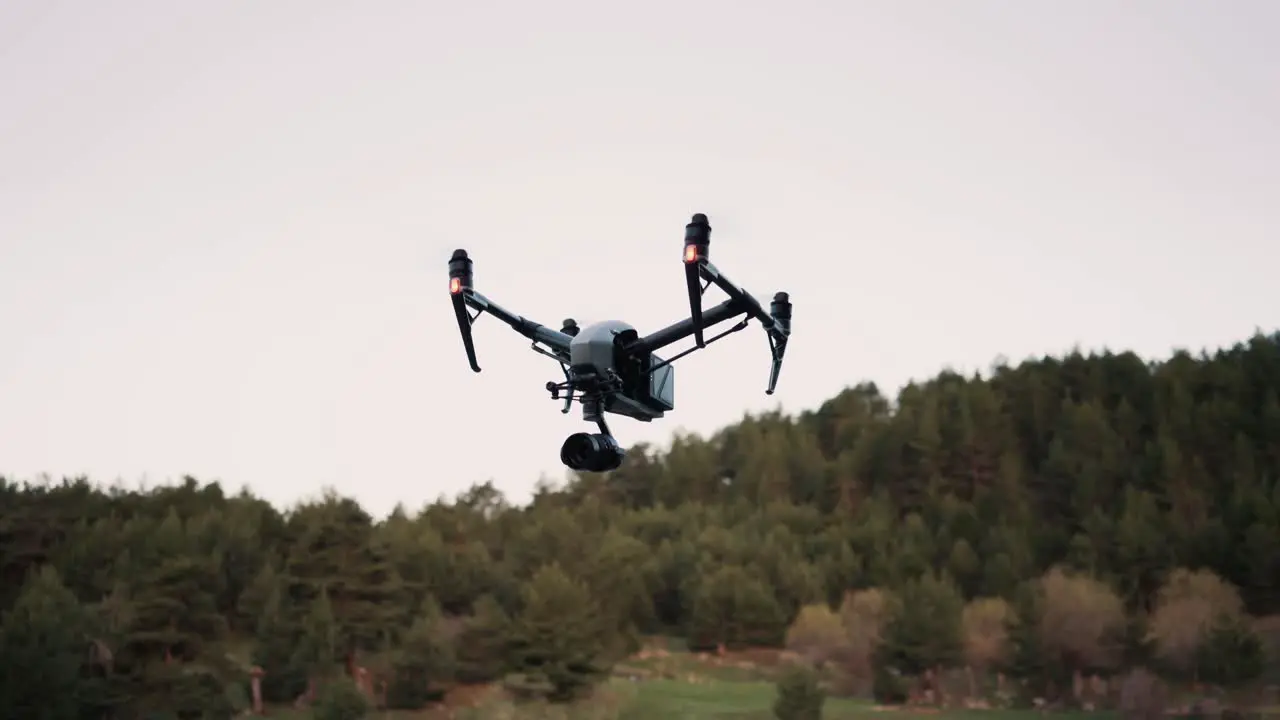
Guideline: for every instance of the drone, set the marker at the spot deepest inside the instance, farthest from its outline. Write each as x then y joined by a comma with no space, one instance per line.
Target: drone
608,367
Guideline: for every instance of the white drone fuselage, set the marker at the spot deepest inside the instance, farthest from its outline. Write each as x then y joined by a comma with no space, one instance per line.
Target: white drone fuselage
596,350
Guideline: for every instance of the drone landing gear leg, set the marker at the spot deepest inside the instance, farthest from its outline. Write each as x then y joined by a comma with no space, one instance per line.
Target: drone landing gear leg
568,390
554,388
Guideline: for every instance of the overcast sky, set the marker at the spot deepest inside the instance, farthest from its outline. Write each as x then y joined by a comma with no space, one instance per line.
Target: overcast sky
224,226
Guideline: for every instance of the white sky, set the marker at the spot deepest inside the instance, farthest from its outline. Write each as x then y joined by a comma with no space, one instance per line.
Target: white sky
224,226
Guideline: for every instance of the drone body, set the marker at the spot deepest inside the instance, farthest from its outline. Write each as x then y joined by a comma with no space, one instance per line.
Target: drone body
608,366
648,385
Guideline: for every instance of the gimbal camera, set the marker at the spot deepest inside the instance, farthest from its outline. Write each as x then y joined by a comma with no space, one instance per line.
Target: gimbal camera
608,366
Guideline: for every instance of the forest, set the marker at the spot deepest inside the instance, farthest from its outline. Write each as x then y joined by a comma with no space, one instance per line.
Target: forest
1035,529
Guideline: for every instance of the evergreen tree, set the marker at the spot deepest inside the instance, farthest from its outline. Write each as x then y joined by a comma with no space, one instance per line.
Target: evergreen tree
340,699
482,648
924,631
44,641
424,665
1232,652
1093,474
734,608
558,635
319,645
275,645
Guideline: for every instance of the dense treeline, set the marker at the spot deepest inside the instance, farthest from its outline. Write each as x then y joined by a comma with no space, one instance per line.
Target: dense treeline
913,523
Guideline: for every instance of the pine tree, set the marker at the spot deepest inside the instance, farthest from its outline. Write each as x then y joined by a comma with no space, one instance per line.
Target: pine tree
424,665
175,609
340,699
1028,658
1232,652
43,643
482,648
319,646
924,630
622,576
558,634
276,635
1115,467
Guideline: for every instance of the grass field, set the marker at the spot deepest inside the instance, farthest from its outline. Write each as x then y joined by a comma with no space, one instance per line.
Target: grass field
679,685
705,700
754,700
666,682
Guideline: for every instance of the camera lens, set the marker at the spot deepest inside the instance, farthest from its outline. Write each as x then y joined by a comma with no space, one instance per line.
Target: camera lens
590,453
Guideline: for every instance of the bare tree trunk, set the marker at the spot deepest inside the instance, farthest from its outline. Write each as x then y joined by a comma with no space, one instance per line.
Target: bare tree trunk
364,681
257,690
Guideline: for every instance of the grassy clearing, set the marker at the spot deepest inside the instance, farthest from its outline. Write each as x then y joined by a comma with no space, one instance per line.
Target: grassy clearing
675,699
703,700
667,682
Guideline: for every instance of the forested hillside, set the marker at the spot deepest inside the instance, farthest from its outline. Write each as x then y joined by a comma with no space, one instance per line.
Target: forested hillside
1058,493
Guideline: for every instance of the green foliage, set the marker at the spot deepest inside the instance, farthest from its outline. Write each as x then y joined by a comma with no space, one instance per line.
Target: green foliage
316,647
556,639
622,576
800,695
1232,652
733,607
482,647
924,629
1113,469
236,695
186,692
1028,658
174,601
425,664
276,649
340,699
888,686
43,641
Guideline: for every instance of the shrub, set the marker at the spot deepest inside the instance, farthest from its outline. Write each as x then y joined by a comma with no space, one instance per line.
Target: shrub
1232,652
237,697
1082,623
817,634
1142,696
985,624
888,687
800,697
340,700
863,614
1187,607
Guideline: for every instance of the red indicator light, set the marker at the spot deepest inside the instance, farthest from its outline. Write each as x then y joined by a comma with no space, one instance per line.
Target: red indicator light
455,285
691,253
